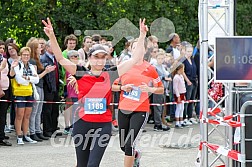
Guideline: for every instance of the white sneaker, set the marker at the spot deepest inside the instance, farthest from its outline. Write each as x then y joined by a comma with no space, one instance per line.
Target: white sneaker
193,121
28,139
6,129
187,122
179,126
20,141
12,128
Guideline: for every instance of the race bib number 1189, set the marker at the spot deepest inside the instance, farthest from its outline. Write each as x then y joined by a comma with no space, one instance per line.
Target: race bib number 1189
95,105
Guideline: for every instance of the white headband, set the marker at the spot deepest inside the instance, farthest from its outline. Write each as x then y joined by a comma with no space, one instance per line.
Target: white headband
99,51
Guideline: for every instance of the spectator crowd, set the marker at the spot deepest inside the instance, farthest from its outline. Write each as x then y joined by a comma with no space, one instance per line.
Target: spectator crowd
31,75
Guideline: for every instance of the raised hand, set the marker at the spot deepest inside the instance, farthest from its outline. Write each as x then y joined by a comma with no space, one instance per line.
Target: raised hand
14,63
143,28
48,29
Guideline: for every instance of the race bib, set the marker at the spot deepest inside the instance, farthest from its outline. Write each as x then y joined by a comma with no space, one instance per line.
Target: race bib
134,94
95,105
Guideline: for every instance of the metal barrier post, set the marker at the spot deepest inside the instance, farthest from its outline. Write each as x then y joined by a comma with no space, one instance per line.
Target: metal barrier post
242,112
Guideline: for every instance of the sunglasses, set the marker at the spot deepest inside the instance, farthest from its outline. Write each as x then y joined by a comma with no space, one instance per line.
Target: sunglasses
74,56
26,55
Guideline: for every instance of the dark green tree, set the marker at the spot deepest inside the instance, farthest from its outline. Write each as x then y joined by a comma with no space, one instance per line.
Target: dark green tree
22,19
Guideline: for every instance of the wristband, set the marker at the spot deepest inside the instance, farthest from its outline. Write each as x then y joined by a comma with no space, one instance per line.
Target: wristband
120,88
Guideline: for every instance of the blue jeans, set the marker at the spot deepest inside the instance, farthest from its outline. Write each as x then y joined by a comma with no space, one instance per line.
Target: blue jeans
197,109
191,91
35,118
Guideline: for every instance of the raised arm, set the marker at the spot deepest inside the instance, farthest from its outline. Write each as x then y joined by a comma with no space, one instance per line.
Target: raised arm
67,64
138,53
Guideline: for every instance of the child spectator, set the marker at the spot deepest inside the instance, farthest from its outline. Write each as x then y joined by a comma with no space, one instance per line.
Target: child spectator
160,98
179,91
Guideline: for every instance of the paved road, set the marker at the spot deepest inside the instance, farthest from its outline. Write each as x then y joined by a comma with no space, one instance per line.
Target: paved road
59,152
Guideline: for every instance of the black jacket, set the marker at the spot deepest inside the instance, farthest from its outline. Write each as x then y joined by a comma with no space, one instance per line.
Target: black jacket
50,82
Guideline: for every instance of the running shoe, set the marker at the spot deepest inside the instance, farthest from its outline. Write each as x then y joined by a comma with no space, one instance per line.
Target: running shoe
193,121
158,128
165,128
115,123
161,128
12,127
115,127
187,122
138,155
28,139
184,125
20,141
66,132
151,121
179,126
7,129
5,143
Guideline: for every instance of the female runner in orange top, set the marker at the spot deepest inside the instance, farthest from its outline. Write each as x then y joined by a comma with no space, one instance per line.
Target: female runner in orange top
135,86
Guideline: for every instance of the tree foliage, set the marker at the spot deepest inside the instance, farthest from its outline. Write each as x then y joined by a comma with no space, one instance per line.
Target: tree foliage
21,19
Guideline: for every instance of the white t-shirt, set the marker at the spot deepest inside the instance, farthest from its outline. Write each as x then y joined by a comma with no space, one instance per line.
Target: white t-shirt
176,53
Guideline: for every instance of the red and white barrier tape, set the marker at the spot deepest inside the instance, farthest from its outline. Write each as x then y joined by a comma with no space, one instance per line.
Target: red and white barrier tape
170,103
34,101
231,123
115,104
225,121
198,159
217,111
233,154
